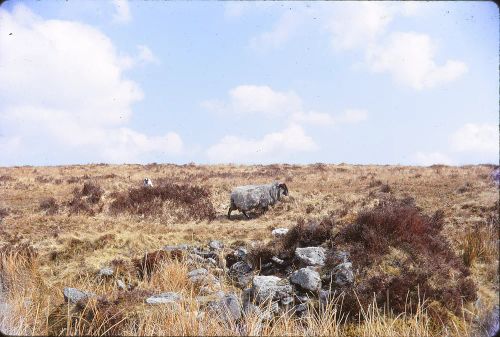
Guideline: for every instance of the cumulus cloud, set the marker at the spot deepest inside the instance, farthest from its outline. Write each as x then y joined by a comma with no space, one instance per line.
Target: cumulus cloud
77,98
356,24
271,148
262,99
145,55
251,99
122,11
364,26
349,116
282,31
409,58
432,158
313,118
482,138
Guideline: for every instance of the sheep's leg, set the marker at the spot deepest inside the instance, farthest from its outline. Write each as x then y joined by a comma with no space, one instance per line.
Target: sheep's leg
245,214
229,212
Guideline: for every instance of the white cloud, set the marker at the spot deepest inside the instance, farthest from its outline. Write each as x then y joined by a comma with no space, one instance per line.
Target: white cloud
350,116
432,158
356,24
409,58
77,98
282,31
234,9
364,26
482,138
145,55
313,117
250,99
122,14
273,147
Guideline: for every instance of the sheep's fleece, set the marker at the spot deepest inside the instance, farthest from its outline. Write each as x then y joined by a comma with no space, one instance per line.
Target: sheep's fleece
245,198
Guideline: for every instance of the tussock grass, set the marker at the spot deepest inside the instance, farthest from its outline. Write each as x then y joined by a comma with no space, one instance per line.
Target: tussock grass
72,246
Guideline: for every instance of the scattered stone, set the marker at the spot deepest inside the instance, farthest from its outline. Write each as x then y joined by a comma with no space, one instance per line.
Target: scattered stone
300,309
325,296
311,256
306,278
277,260
205,254
177,247
194,258
341,256
170,298
241,273
302,298
106,272
121,285
204,280
270,287
205,299
209,289
74,295
212,261
240,253
279,232
287,300
342,274
215,245
197,272
228,308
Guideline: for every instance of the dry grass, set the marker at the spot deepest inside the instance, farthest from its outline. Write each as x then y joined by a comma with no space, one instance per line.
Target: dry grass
82,234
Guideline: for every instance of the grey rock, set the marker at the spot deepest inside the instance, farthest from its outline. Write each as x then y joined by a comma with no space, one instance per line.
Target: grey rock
302,298
307,279
325,296
277,260
169,298
204,280
270,288
240,253
212,261
241,273
300,309
121,285
194,258
177,247
73,295
287,300
279,232
341,256
106,272
228,307
215,245
197,272
205,299
342,274
311,256
205,254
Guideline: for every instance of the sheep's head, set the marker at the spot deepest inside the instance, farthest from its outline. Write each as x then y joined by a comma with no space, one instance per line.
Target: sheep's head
283,188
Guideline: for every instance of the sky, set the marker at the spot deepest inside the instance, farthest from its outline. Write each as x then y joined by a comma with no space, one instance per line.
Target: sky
249,82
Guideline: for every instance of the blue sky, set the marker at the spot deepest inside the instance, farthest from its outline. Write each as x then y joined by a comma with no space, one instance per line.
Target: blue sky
248,82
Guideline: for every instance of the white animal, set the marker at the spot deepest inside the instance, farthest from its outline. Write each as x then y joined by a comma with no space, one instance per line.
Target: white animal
148,182
245,198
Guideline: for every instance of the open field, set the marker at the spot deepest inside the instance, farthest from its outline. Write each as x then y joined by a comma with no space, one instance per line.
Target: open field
48,244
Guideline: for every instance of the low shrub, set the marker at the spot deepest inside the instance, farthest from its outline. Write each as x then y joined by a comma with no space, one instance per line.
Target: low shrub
85,199
192,202
430,269
49,205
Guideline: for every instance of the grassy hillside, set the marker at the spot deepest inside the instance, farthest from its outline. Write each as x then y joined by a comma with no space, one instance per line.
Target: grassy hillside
60,225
